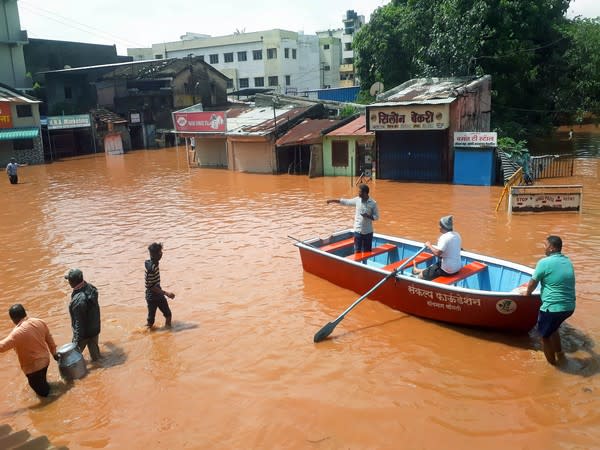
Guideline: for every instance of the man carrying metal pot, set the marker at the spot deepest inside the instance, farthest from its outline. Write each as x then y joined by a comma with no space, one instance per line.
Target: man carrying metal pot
32,340
85,313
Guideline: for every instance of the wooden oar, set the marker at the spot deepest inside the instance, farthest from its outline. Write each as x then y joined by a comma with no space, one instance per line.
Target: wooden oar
327,329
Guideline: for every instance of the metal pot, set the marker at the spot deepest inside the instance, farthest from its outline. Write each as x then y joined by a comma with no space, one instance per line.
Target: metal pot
70,362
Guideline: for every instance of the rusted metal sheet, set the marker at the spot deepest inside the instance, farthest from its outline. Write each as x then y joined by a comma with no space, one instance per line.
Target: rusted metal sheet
358,127
306,133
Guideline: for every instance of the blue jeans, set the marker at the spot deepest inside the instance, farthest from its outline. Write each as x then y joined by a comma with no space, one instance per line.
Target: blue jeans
363,242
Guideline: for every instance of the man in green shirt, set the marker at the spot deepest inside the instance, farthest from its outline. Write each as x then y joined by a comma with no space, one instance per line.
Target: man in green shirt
555,273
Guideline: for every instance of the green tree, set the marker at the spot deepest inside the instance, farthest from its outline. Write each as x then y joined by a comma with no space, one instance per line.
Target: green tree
518,42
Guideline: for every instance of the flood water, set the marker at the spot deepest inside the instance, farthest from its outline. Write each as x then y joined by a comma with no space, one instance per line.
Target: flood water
239,370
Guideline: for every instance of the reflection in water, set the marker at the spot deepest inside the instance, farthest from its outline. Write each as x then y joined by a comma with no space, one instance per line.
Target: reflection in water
239,368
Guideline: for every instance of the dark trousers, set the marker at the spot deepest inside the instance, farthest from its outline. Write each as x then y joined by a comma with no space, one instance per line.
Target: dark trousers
13,179
160,303
37,381
362,242
92,345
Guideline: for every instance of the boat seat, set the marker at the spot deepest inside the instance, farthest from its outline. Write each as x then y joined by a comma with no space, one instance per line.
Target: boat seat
464,272
338,245
421,257
384,248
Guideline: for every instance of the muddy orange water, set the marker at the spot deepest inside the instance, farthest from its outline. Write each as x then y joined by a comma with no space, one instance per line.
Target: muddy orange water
239,370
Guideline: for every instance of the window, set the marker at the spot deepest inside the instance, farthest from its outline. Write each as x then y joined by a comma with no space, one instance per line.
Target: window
293,53
68,92
229,84
286,53
228,57
201,58
24,111
242,56
339,153
214,59
326,47
273,81
244,83
288,80
271,53
348,46
256,54
326,68
157,56
259,81
23,144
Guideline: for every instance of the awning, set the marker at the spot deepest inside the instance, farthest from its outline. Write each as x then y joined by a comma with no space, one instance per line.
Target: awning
19,133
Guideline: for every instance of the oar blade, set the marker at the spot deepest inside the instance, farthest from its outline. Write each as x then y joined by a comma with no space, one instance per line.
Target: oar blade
325,331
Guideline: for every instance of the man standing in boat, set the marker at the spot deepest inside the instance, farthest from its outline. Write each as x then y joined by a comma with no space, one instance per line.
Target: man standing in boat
556,274
447,250
366,213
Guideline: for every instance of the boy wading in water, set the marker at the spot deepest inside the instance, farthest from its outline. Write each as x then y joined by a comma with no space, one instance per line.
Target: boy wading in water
155,296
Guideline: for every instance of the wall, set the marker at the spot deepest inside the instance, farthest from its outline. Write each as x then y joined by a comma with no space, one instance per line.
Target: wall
254,156
12,38
211,152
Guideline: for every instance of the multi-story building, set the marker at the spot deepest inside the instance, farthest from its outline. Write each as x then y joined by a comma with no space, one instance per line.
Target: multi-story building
352,23
12,39
330,54
283,60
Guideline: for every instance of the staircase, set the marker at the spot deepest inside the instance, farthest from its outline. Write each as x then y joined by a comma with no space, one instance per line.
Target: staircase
22,440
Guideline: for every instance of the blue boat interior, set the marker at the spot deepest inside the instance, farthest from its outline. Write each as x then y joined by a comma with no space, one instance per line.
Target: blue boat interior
388,254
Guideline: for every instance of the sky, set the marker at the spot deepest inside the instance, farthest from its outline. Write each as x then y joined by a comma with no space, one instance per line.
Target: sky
141,23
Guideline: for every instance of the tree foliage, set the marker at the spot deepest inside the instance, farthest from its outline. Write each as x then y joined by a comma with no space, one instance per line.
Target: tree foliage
541,62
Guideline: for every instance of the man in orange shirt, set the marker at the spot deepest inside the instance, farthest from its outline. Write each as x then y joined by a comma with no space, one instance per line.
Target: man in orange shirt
31,339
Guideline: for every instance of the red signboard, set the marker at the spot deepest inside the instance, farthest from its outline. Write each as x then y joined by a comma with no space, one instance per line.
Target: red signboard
200,122
5,116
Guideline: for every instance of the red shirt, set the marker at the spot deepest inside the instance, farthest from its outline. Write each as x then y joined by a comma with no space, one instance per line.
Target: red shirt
31,339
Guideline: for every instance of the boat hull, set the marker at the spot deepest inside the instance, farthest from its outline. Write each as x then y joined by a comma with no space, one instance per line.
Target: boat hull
474,308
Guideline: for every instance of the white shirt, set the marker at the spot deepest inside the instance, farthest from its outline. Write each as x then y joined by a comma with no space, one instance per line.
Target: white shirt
362,225
450,243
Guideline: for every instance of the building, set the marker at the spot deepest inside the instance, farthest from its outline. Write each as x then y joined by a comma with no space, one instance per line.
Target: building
12,40
414,125
283,60
19,127
330,55
149,92
348,150
352,23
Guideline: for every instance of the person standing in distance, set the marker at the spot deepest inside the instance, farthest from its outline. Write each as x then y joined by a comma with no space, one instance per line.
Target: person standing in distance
155,295
366,213
85,313
32,340
11,171
556,274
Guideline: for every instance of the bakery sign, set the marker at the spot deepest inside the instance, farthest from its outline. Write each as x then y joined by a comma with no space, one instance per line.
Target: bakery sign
409,117
5,115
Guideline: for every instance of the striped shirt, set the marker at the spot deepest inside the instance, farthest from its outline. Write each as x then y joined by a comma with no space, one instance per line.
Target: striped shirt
152,278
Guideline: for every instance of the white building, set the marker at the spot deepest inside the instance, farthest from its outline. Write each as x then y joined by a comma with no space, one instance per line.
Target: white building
330,53
284,60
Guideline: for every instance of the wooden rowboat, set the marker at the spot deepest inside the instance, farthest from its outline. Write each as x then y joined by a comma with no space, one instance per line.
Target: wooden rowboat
486,292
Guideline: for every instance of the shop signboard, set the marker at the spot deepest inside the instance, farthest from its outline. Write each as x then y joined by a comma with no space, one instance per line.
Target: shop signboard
475,139
66,122
408,117
546,198
200,122
5,115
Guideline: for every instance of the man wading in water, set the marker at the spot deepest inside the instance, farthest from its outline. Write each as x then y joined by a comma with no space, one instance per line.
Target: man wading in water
155,296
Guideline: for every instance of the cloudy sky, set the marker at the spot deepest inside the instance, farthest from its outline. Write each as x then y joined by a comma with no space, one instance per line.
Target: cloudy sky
140,23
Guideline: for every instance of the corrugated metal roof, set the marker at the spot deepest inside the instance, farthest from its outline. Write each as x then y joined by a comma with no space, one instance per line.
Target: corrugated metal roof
8,94
261,121
306,133
358,127
19,133
425,91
